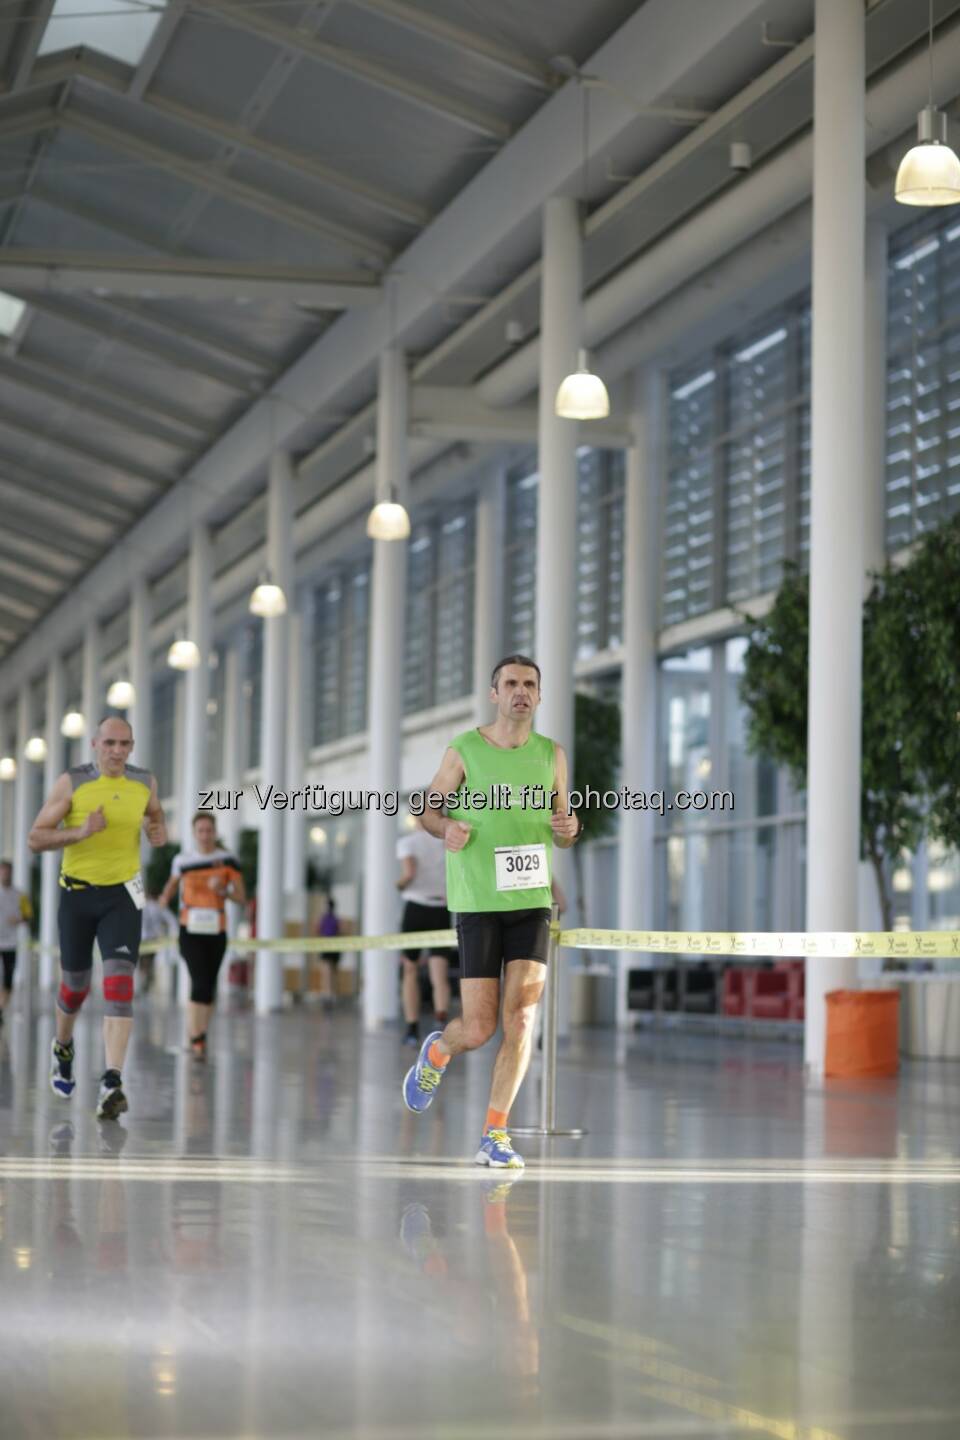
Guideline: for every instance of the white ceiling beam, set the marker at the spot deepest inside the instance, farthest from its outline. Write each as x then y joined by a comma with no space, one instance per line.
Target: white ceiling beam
39,570
157,47
200,175
371,72
60,534
90,392
62,441
296,161
196,430
650,54
99,502
88,530
31,122
15,604
449,412
87,65
25,51
227,348
111,327
173,277
502,57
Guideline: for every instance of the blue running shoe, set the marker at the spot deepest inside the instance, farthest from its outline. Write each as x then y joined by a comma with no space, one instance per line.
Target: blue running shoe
422,1079
497,1152
62,1082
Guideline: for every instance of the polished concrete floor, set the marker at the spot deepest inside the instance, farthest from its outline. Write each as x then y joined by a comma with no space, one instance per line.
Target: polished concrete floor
271,1246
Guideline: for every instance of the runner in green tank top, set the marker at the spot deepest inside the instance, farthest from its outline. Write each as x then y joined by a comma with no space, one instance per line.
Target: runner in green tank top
507,797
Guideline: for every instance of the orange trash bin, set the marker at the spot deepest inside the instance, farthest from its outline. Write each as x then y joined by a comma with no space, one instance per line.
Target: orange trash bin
863,1033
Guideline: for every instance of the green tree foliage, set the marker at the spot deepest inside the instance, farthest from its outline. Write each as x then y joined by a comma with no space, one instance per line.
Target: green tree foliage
911,698
157,870
596,765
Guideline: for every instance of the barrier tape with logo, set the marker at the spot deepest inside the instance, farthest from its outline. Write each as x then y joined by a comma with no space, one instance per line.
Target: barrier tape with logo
747,944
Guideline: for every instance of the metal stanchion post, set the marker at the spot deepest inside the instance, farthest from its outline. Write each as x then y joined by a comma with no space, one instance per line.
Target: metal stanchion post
551,1032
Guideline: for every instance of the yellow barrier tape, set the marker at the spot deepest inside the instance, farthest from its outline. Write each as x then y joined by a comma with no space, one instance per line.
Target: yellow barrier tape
765,944
756,944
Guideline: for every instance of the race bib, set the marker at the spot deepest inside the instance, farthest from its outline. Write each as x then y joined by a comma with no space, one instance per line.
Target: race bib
134,889
203,922
521,867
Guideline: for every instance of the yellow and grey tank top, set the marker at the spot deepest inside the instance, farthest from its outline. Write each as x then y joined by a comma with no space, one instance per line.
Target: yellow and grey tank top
112,855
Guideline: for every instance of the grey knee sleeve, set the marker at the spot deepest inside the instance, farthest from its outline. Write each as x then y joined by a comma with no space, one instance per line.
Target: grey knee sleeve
118,987
74,989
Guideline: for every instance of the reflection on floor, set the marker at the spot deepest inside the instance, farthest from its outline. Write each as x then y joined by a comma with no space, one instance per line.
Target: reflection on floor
270,1245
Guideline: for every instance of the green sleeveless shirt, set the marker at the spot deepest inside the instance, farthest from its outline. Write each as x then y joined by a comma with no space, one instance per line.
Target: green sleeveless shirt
471,872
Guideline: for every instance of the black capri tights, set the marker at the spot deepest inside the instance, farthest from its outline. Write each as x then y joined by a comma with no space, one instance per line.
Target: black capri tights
203,955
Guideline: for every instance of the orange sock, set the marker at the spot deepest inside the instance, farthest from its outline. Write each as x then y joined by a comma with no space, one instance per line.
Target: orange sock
437,1060
496,1120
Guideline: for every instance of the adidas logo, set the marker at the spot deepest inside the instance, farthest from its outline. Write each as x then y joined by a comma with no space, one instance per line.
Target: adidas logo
123,949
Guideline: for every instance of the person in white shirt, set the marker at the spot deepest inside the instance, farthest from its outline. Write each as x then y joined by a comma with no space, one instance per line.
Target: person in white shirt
15,910
423,884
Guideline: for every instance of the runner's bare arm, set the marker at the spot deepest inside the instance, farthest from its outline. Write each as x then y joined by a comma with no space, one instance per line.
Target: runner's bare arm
408,869
447,780
168,891
563,823
47,832
154,822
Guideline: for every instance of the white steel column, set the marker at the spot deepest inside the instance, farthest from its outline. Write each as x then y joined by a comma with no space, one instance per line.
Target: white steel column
53,769
140,714
639,687
273,770
93,703
384,706
295,821
229,822
197,681
836,500
560,290
23,794
488,589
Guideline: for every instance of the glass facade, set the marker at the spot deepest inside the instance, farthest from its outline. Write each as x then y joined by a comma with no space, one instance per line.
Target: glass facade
923,379
737,487
739,869
600,517
164,706
738,434
439,628
340,638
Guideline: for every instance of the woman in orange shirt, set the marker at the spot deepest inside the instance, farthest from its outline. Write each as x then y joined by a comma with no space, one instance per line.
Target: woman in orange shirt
208,877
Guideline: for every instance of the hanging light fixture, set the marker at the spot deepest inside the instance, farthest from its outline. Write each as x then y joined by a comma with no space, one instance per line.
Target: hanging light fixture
121,695
583,395
8,768
268,601
73,725
929,173
183,655
388,520
36,749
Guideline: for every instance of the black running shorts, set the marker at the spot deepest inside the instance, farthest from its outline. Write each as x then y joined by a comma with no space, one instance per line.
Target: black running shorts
9,959
203,956
490,939
427,917
104,913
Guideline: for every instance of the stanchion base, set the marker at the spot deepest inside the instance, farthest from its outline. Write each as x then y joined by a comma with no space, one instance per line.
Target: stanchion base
540,1130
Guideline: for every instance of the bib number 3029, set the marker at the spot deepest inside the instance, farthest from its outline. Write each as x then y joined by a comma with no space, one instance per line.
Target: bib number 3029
521,867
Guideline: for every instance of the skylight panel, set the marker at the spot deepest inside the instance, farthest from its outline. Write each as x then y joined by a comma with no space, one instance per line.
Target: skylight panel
11,313
119,28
